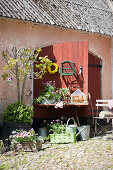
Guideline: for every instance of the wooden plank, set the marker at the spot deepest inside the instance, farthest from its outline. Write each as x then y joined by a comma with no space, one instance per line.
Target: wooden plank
57,51
103,118
102,101
101,104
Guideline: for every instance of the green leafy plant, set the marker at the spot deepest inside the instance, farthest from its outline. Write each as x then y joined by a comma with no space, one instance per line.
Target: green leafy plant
18,112
58,94
45,124
40,99
61,93
49,89
47,93
1,145
65,91
57,127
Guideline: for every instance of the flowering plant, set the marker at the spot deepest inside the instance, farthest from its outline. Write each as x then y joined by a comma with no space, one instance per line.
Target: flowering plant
47,93
45,124
57,95
62,92
49,89
40,99
10,81
65,91
57,127
50,92
23,136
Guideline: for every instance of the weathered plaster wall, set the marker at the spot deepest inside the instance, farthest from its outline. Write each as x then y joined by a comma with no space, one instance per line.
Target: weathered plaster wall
112,64
24,34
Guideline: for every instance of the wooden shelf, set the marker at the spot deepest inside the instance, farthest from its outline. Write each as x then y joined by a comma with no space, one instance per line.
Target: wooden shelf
65,105
103,118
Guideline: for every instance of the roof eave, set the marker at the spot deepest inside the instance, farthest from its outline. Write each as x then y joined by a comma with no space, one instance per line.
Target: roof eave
54,25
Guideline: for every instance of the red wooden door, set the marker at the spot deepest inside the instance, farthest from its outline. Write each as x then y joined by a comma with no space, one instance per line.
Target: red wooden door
76,52
94,79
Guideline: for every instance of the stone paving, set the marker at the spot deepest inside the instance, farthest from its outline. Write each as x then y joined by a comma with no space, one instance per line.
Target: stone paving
83,155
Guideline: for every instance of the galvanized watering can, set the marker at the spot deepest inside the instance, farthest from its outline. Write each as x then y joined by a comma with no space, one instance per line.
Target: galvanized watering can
72,128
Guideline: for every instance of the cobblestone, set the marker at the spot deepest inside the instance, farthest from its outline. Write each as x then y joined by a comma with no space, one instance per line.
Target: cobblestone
92,154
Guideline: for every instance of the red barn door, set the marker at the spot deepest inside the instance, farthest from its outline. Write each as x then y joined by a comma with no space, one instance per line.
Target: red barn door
94,79
76,52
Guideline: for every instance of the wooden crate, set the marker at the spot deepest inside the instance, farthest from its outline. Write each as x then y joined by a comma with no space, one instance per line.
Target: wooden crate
63,138
27,146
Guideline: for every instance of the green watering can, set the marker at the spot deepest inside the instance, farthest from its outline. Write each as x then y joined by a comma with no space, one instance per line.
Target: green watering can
71,128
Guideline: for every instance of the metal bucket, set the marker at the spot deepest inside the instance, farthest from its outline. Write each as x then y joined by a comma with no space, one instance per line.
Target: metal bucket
71,128
84,132
43,132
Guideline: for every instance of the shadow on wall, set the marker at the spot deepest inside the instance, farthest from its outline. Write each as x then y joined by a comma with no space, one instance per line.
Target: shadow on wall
38,83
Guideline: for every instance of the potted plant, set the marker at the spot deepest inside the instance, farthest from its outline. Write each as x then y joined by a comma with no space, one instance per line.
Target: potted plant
25,141
44,129
57,127
50,94
61,93
47,95
59,133
65,91
40,99
16,116
58,95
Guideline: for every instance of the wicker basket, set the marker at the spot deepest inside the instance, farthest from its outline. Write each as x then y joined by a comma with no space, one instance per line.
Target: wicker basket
63,138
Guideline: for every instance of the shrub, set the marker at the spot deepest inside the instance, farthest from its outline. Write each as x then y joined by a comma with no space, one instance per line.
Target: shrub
18,112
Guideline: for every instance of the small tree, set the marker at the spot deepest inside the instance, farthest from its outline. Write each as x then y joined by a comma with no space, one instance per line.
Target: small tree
20,63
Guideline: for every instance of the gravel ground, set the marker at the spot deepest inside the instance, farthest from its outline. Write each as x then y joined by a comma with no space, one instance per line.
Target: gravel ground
90,155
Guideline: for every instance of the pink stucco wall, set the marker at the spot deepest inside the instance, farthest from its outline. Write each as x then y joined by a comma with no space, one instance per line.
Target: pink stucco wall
31,35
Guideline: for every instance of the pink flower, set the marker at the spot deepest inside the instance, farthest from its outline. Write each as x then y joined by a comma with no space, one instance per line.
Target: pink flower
32,130
9,80
57,120
26,135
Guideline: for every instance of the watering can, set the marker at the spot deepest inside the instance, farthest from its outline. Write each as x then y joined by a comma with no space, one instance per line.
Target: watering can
72,128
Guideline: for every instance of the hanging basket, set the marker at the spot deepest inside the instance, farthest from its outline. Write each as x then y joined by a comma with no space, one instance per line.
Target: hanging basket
71,128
